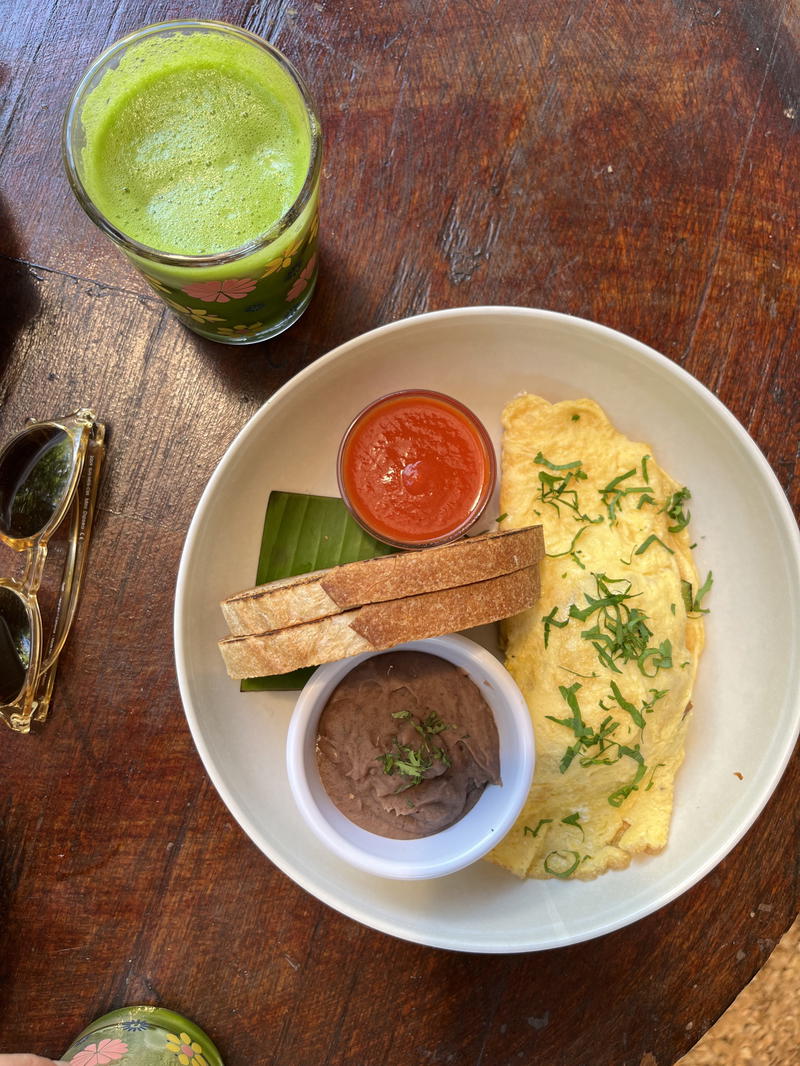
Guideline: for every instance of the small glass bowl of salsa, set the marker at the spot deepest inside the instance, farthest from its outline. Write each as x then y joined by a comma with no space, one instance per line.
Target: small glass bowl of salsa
416,468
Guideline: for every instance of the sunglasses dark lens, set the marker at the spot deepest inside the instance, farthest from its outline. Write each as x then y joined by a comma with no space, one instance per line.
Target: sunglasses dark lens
15,645
35,472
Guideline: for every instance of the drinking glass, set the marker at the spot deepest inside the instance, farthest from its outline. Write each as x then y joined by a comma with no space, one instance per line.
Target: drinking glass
142,1036
199,165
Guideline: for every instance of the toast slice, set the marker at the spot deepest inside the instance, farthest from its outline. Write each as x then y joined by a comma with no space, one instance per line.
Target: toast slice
379,626
308,597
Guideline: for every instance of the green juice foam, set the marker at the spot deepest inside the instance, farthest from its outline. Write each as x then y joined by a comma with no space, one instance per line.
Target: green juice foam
195,143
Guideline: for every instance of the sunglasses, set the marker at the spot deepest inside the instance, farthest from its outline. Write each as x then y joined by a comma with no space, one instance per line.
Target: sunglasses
49,475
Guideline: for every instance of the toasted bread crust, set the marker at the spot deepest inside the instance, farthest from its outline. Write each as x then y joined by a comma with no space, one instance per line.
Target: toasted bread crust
434,613
282,650
377,627
291,601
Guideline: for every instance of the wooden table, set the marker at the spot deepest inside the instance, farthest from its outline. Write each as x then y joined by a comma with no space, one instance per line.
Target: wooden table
631,163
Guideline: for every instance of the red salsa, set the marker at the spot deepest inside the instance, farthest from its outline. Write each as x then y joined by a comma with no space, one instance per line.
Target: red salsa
416,468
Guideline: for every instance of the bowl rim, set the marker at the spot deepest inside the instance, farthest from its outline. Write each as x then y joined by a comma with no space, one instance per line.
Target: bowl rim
386,915
481,665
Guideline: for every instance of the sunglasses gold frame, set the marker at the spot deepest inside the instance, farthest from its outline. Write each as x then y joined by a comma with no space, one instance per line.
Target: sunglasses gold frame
76,505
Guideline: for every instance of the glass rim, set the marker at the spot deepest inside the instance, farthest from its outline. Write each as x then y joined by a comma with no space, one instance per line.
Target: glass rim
180,259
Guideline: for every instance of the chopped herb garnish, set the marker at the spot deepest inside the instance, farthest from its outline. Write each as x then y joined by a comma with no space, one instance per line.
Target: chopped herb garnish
658,694
659,658
585,735
649,785
612,495
572,858
575,465
673,506
570,550
597,747
693,603
620,633
626,705
607,748
431,725
636,714
414,763
652,539
551,620
606,597
557,489
527,831
574,820
642,548
575,418
502,517
617,798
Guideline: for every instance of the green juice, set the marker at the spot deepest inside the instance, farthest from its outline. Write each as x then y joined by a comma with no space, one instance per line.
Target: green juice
201,150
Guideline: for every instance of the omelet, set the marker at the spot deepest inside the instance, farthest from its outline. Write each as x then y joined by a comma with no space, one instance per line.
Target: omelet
607,660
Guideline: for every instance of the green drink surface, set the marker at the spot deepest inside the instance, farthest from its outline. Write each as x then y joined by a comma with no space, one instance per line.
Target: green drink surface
195,143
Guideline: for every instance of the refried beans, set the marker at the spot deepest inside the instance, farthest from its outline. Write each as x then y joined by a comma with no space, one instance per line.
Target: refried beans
406,744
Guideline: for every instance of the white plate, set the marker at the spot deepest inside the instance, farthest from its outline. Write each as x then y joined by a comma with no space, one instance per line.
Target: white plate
747,699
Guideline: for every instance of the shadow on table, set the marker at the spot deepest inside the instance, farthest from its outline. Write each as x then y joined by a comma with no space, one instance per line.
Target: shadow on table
20,300
339,310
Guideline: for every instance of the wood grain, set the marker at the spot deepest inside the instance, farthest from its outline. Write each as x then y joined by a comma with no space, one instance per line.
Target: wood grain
632,163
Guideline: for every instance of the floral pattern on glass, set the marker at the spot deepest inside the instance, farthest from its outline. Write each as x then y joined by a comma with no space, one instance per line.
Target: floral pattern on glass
306,275
197,314
221,291
284,260
104,1051
228,306
241,330
186,1050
